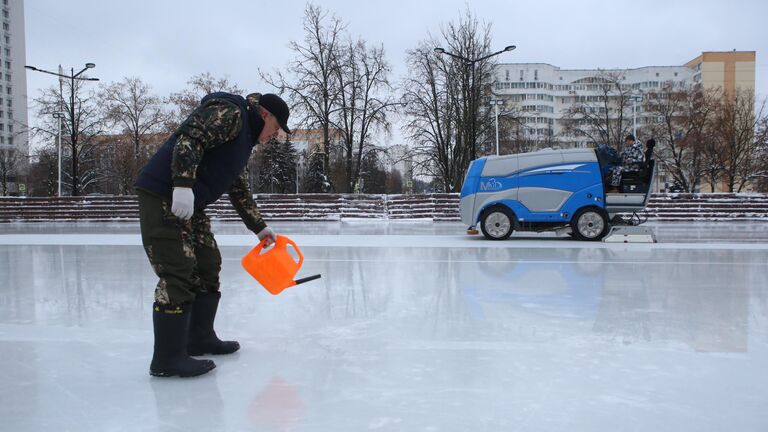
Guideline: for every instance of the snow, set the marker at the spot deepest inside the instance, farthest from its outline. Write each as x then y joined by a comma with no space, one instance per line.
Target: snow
413,327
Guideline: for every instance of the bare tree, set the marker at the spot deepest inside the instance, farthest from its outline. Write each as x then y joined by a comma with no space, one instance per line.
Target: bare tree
516,135
761,161
732,130
439,147
440,94
470,39
42,176
364,101
680,117
10,164
712,160
136,115
311,78
603,118
82,121
133,110
185,101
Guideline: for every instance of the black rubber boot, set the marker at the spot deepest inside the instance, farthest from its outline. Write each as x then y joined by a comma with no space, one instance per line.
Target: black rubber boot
171,332
202,337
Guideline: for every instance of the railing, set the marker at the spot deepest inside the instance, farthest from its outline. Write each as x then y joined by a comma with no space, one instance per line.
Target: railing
334,207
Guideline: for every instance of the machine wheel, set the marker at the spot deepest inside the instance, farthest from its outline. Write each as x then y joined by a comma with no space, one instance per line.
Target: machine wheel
497,222
590,224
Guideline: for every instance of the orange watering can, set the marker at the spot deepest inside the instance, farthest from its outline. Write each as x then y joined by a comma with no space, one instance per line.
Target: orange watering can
275,268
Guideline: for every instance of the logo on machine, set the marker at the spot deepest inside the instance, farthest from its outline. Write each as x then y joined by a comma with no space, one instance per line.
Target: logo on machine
490,185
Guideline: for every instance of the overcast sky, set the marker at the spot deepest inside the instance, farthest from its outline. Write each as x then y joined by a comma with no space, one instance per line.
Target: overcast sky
166,42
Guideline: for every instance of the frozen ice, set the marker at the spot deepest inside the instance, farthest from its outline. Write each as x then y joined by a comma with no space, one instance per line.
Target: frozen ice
414,326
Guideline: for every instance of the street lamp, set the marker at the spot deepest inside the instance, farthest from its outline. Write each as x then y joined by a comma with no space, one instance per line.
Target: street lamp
473,105
59,115
496,103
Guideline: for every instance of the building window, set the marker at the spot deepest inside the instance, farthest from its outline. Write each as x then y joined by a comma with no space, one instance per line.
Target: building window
521,74
5,26
507,74
8,89
7,65
10,128
5,14
535,74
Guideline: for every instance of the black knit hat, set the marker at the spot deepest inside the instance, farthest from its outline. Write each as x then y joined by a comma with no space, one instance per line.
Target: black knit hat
277,106
630,137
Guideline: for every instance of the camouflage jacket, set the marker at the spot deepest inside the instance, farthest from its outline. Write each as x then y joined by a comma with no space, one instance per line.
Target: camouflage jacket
209,126
632,155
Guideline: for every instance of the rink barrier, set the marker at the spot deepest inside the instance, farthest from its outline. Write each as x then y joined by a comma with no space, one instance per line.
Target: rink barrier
335,207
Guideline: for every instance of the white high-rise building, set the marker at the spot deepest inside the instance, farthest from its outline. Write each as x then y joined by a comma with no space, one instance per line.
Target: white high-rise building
540,94
13,88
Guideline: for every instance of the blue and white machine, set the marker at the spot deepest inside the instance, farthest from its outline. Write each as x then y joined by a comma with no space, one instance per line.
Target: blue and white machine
545,190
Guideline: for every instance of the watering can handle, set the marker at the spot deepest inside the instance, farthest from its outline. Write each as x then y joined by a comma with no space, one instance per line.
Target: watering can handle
291,242
260,247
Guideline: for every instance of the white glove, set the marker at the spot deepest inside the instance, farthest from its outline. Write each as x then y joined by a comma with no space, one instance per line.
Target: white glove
267,232
183,204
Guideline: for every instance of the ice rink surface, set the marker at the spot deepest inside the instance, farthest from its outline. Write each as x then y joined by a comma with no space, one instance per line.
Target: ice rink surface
413,327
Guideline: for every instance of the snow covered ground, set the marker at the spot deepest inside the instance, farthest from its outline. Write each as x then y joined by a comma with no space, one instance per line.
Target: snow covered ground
414,326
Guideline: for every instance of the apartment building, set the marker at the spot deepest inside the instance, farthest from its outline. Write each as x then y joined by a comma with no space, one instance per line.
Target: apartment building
540,94
13,93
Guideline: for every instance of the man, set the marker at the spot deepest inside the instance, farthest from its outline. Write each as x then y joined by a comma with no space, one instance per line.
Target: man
206,157
631,155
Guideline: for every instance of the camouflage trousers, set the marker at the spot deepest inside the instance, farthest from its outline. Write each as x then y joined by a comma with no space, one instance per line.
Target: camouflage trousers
183,254
616,172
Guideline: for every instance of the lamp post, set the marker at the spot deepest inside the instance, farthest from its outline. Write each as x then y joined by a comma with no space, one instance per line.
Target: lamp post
496,103
472,105
71,111
58,116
